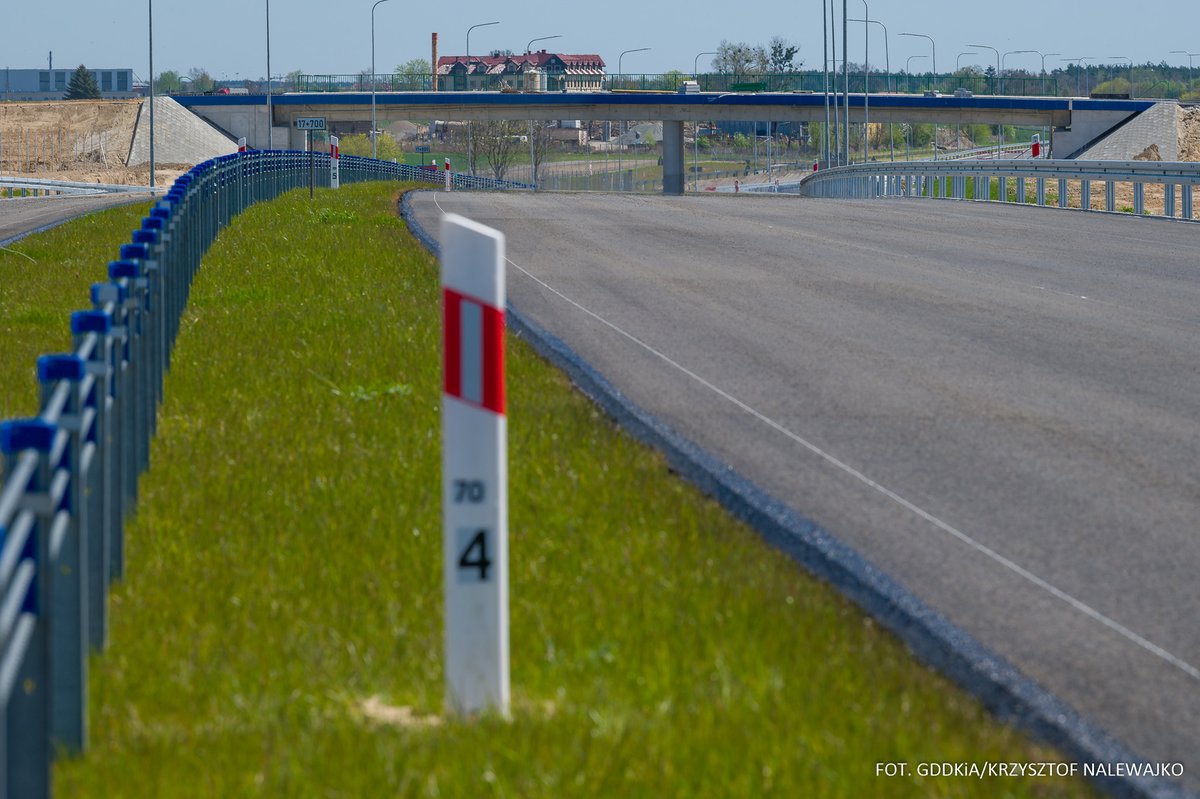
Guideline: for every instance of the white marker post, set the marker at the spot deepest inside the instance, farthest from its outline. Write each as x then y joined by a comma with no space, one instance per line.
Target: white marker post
334,155
449,179
474,467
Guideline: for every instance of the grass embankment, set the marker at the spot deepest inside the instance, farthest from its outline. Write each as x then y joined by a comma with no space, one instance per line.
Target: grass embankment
284,569
38,296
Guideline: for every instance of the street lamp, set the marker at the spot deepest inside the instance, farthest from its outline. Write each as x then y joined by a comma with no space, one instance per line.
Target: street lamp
150,6
470,138
866,80
1044,57
621,73
1190,73
996,86
887,60
908,69
532,152
1013,52
696,129
1087,85
1130,60
958,61
473,27
932,45
270,117
540,39
374,132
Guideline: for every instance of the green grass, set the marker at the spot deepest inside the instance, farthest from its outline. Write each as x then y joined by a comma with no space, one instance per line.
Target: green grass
284,567
38,296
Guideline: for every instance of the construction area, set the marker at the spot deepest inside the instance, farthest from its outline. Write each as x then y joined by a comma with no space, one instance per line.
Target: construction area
104,141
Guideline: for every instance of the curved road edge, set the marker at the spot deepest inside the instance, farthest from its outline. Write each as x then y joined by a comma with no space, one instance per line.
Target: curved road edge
1008,694
16,232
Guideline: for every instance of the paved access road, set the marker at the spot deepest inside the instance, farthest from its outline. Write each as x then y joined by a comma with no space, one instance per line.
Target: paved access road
998,406
20,215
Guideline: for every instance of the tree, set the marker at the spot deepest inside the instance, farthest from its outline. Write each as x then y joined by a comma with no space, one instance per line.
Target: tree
414,74
781,55
83,85
167,82
202,82
737,58
499,140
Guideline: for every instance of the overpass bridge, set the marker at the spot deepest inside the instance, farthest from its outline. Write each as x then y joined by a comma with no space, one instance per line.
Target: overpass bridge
1075,122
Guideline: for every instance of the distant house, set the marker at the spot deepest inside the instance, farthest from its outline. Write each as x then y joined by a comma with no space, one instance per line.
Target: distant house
51,84
540,71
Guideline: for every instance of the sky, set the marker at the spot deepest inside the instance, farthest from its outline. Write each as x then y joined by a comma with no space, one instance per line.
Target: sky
228,37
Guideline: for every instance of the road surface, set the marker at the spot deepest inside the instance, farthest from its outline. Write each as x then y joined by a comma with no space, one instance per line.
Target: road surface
999,406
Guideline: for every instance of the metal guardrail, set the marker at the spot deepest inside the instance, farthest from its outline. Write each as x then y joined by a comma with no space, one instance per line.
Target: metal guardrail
36,187
71,473
976,180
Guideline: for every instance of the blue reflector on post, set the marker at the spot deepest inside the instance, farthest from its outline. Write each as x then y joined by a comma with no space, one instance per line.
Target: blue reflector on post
51,368
160,214
145,237
154,222
21,434
91,322
120,269
129,251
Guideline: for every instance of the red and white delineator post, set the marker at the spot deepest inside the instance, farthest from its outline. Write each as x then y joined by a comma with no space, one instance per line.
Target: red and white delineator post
474,468
335,178
242,145
1036,145
449,178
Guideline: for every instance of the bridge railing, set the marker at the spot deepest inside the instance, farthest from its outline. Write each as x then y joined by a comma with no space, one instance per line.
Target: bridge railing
1130,186
71,473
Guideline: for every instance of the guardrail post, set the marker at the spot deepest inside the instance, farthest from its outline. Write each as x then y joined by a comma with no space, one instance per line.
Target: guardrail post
1186,191
1021,190
1062,193
1110,195
1002,184
1169,199
27,714
1139,198
100,483
1041,191
68,554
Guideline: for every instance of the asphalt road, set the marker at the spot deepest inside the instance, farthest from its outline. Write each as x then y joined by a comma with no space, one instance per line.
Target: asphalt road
20,215
999,406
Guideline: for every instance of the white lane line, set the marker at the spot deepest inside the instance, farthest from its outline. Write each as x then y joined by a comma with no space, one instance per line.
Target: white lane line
1012,566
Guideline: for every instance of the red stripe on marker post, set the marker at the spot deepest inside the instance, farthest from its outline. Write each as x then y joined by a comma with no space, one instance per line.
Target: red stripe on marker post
473,351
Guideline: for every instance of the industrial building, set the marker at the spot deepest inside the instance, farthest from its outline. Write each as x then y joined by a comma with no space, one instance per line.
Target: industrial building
51,84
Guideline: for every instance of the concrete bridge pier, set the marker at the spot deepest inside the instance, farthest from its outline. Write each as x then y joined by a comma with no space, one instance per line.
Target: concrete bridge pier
673,156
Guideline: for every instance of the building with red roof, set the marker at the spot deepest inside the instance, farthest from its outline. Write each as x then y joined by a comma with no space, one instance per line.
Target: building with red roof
539,71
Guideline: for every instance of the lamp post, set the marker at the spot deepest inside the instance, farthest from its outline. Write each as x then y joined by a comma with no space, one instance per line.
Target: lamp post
958,61
1007,53
621,73
374,131
470,138
1044,57
825,78
150,6
1087,84
887,61
1190,73
932,45
996,86
866,80
270,116
532,153
1130,60
908,69
696,129
540,39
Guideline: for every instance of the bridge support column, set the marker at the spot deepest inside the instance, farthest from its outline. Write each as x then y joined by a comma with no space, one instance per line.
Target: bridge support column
673,156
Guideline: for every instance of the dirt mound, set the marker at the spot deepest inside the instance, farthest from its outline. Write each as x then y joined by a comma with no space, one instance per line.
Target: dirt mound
1151,153
77,140
1189,134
